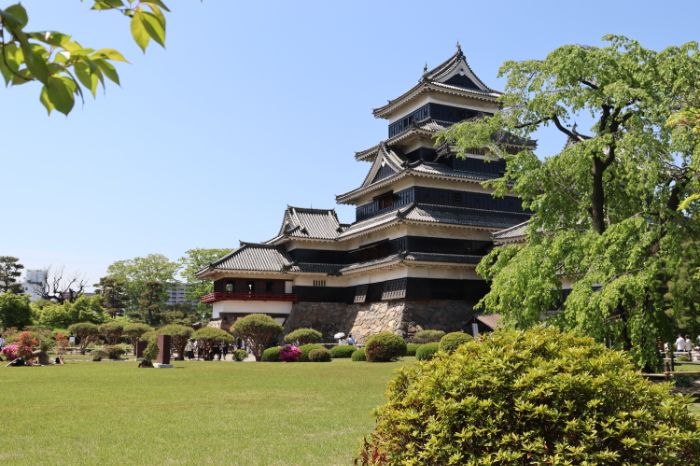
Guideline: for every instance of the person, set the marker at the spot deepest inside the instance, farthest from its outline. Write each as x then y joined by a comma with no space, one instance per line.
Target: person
224,351
351,340
2,342
680,343
189,350
688,344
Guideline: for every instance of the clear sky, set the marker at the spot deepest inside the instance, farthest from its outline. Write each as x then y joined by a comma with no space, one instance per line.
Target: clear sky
253,105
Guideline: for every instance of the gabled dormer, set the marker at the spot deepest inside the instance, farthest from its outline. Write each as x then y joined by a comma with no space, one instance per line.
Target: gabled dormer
386,164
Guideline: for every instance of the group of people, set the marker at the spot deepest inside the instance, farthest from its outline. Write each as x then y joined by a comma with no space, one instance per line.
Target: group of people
685,343
193,350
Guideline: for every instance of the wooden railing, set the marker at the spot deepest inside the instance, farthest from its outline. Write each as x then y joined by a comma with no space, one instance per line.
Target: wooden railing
249,296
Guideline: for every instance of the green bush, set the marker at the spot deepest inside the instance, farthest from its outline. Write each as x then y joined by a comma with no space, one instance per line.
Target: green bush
411,349
259,331
452,341
306,349
536,397
342,351
427,336
319,355
151,351
426,351
384,347
303,336
271,354
359,355
240,354
99,355
114,352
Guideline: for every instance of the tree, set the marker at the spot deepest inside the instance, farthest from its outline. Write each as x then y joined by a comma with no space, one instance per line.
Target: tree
535,397
605,215
138,272
10,271
180,335
207,337
87,332
112,331
62,65
192,262
258,331
151,302
135,331
84,309
60,287
112,291
14,310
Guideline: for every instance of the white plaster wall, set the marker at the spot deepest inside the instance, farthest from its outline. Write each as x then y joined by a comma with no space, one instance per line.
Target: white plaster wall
251,307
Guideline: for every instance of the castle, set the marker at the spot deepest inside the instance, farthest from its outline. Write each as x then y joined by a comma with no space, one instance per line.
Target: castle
423,222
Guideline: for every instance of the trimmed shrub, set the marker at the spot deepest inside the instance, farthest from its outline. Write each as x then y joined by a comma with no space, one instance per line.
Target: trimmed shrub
114,352
240,354
289,353
135,331
271,354
258,331
342,351
112,331
207,337
453,340
359,355
87,332
411,349
99,355
535,397
384,347
303,336
180,335
319,355
427,351
306,349
427,336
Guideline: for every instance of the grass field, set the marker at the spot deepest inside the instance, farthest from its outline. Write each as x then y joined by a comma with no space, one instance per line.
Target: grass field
197,413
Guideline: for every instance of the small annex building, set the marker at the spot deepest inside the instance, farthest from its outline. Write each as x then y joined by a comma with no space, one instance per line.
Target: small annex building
422,223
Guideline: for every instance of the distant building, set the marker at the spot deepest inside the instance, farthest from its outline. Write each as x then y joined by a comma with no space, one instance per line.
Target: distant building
177,294
34,282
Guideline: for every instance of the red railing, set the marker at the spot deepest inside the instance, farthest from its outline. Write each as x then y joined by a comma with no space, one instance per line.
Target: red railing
252,296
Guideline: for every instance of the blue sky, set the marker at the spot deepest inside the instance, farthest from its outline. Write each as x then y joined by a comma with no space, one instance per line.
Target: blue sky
252,106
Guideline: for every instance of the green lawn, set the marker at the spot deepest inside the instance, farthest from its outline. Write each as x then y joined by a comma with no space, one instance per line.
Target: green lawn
197,413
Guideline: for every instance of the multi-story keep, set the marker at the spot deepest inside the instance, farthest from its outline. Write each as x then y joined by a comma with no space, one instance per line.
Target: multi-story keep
423,221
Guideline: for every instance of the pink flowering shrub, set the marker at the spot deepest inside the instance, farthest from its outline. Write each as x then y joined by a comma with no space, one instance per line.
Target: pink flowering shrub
10,352
289,353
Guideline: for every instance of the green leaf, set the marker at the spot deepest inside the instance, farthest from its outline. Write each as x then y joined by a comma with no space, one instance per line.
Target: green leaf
138,30
107,4
155,26
108,69
156,3
110,54
44,99
87,77
688,200
60,94
15,16
35,62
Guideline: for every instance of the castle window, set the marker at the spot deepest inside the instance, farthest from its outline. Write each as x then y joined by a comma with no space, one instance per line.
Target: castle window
319,283
229,288
385,201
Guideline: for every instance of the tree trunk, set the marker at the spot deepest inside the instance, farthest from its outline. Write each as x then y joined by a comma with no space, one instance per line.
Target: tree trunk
598,196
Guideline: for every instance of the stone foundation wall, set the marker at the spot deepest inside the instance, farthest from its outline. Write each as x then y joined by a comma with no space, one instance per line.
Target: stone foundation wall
362,320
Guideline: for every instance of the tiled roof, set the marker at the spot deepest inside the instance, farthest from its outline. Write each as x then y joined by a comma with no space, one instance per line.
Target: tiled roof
300,222
439,169
514,234
254,257
436,257
464,216
312,267
372,263
489,320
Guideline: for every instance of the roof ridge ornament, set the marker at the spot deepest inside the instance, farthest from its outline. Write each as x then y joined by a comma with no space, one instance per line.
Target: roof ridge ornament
459,49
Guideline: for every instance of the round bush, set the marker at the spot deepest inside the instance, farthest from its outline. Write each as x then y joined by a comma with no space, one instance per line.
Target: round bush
114,351
342,351
411,349
290,353
425,352
240,354
453,340
98,355
536,397
384,347
306,349
271,354
258,331
359,355
303,336
427,336
319,355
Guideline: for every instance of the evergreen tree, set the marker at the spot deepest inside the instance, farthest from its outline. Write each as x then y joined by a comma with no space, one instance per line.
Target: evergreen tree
10,271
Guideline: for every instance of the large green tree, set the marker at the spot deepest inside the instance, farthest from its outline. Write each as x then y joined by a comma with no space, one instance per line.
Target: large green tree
135,275
65,68
14,310
193,261
113,295
605,208
10,271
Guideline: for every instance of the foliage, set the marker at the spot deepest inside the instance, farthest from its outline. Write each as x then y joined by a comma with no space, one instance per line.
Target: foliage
151,351
14,310
61,339
113,295
411,349
359,355
114,352
26,342
319,355
63,66
112,331
194,261
151,301
134,332
180,335
86,332
605,207
83,309
10,271
271,354
427,336
289,353
98,355
384,347
426,351
207,337
258,331
10,351
453,340
342,351
303,336
534,397
240,354
306,349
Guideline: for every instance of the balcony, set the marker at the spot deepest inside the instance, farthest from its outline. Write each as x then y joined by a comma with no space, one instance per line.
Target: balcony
250,296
